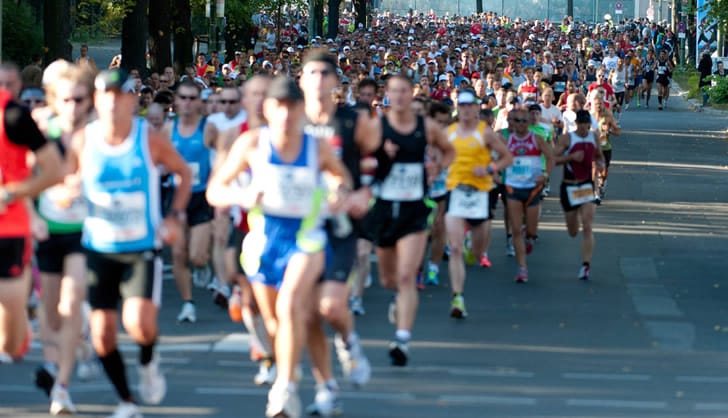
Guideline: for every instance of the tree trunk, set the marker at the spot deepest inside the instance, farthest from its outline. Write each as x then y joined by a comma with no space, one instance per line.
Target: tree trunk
333,19
57,30
360,7
318,18
160,25
134,38
479,6
181,27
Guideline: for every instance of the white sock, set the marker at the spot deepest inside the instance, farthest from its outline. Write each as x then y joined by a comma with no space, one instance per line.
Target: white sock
258,333
403,335
434,267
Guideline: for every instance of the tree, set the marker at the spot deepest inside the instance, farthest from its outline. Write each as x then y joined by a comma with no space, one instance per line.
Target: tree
134,36
360,7
479,6
181,30
333,19
57,29
20,39
160,38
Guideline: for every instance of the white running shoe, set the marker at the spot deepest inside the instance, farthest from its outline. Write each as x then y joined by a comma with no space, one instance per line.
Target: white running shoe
152,384
201,276
61,403
392,311
356,305
326,403
266,373
368,281
353,361
188,313
5,358
127,410
283,401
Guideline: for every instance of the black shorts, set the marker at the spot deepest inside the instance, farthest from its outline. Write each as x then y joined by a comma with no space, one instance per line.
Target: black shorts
391,221
340,256
530,196
15,254
607,157
113,277
51,253
663,80
487,212
235,242
198,210
566,203
649,76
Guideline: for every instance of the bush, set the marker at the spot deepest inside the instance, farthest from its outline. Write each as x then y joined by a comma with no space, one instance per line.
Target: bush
21,38
718,89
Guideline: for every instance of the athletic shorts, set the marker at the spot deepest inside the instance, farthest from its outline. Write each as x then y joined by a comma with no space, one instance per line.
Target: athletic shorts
607,157
235,242
530,196
663,80
391,221
475,221
198,210
15,254
113,277
583,194
340,256
51,253
649,76
638,80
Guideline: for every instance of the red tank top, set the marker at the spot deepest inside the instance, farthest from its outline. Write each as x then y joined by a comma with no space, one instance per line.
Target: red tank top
15,220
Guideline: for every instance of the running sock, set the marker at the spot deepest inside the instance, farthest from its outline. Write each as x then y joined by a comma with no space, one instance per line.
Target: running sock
332,385
145,353
659,99
434,267
403,335
256,328
51,368
115,370
190,301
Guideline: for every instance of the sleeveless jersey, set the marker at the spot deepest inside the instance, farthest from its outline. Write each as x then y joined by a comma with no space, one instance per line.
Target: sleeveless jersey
15,219
529,94
470,151
406,182
526,165
619,80
195,153
580,171
121,186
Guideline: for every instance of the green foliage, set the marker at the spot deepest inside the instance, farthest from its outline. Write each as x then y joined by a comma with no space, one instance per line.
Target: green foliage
718,10
718,89
99,18
21,37
687,78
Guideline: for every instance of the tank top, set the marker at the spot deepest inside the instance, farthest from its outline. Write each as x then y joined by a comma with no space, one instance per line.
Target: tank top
526,165
15,220
580,171
662,69
60,220
121,186
470,151
406,182
529,94
619,80
194,151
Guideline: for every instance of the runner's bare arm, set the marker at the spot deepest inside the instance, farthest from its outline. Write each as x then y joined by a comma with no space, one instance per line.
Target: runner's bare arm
368,134
547,153
225,142
211,135
338,177
436,137
164,153
505,158
562,143
221,192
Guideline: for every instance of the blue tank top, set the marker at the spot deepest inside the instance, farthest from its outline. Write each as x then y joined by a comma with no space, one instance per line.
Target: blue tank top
121,187
195,153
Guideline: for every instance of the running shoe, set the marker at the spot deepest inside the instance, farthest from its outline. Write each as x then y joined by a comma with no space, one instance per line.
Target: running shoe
485,261
353,361
392,311
266,373
201,276
126,410
457,307
283,401
433,276
510,249
584,272
326,403
356,305
5,359
44,379
152,384
420,280
398,353
529,245
659,107
522,275
368,282
221,296
188,313
61,403
639,105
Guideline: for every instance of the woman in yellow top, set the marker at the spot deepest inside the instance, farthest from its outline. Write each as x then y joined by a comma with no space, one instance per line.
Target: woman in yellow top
469,180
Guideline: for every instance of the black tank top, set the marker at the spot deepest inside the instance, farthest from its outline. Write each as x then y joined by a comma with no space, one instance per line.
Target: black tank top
339,133
411,145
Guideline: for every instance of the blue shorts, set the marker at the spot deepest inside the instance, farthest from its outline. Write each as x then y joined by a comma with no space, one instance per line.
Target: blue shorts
269,247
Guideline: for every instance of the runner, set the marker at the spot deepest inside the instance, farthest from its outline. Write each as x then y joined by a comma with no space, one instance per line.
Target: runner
524,181
663,70
607,127
648,76
116,157
59,254
469,181
399,216
18,136
577,151
193,247
283,254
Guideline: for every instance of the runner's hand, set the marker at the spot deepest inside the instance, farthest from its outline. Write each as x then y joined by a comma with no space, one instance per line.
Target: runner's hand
480,171
170,230
39,228
358,203
390,148
432,169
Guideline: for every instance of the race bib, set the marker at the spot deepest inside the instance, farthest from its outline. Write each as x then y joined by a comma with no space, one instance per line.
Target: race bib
468,203
580,194
438,187
74,214
520,171
289,191
619,84
404,183
119,217
195,171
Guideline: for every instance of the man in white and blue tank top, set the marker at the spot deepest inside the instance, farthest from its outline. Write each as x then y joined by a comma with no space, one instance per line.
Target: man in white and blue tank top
117,157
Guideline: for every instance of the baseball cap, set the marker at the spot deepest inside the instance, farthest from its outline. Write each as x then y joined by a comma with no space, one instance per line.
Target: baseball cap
582,116
467,97
528,51
345,80
442,77
115,79
282,88
475,75
534,107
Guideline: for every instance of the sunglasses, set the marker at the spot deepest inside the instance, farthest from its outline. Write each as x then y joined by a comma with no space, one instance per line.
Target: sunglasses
222,101
76,100
322,72
34,101
519,120
183,97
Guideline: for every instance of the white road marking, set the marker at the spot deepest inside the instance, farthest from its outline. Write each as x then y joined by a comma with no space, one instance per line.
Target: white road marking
378,396
487,400
236,342
711,406
616,403
702,379
607,376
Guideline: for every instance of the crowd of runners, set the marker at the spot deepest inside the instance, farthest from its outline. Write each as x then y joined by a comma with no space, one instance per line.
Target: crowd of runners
274,177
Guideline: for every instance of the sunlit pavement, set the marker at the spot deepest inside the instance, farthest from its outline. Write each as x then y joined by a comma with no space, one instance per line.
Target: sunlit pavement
646,337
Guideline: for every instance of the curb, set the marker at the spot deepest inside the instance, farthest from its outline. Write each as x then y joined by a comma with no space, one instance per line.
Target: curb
694,105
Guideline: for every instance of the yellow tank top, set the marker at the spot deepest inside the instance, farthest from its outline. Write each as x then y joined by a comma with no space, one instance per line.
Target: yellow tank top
470,151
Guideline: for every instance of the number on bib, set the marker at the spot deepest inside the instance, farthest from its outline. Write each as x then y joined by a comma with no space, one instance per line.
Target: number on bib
580,194
119,217
404,183
520,171
468,204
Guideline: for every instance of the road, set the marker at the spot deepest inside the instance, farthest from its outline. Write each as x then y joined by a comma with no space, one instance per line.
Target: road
646,337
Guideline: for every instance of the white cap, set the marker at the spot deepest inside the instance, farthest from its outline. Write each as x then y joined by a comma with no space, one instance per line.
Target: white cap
528,51
373,47
442,77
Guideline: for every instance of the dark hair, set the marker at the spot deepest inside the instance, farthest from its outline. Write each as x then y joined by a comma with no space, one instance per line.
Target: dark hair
318,55
438,107
188,83
400,77
367,82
